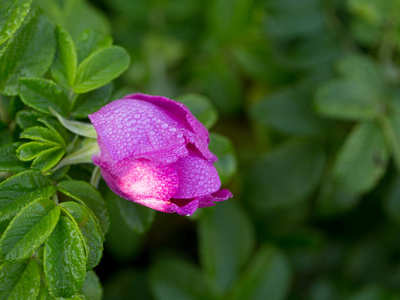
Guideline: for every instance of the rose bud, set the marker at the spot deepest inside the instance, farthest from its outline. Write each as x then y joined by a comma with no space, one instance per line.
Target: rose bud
154,152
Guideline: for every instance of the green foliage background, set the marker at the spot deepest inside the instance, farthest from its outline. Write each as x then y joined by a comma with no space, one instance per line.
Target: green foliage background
302,100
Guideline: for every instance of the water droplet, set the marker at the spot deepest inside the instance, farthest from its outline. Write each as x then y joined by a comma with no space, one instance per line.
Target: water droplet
136,116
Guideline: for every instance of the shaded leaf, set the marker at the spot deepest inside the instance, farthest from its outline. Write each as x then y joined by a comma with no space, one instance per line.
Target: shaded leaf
91,102
92,288
41,93
48,158
100,68
29,53
19,190
19,280
64,259
12,14
186,282
89,41
90,232
42,134
9,161
28,230
268,274
226,164
65,62
362,160
222,254
139,218
87,195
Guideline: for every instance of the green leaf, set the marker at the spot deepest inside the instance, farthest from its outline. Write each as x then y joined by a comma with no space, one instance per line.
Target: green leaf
226,164
79,128
41,93
19,281
391,128
288,110
43,134
91,102
361,68
89,41
65,62
48,158
349,100
222,253
64,259
90,231
29,53
83,155
138,217
75,15
28,230
100,68
19,190
12,14
185,282
362,160
29,151
268,274
92,288
26,119
9,161
286,175
87,195
201,107
54,125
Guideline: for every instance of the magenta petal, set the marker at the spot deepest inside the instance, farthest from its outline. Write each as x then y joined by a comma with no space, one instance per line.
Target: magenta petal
218,196
170,207
197,177
197,134
139,130
140,179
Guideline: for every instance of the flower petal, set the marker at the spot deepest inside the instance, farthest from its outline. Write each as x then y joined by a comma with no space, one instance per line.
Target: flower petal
197,177
218,196
139,130
139,179
197,134
187,208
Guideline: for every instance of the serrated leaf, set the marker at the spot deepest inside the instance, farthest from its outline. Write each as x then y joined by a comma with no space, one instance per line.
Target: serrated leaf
348,99
87,195
64,259
92,288
29,53
226,164
28,230
54,125
90,231
48,158
26,119
201,107
91,102
40,93
43,134
9,161
186,282
65,62
21,189
138,217
79,128
89,41
100,68
362,160
268,274
12,14
19,280
29,151
222,254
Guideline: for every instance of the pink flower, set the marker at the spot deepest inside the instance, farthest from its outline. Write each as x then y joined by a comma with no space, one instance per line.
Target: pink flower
154,152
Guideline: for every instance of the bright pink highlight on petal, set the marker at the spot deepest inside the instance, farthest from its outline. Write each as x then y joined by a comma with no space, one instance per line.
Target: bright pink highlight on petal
154,152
